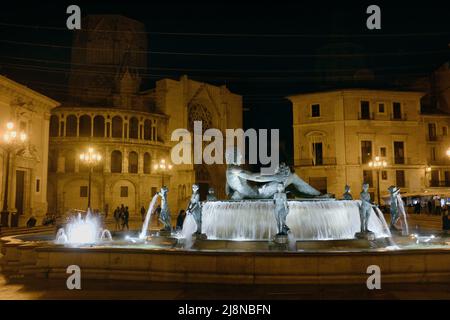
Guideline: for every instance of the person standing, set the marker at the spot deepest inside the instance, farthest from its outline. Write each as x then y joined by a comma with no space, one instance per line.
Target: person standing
117,218
126,216
106,209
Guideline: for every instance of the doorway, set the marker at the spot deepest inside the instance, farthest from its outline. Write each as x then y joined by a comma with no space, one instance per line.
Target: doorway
20,196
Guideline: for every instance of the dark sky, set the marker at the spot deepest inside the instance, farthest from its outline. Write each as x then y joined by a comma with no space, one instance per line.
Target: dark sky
263,50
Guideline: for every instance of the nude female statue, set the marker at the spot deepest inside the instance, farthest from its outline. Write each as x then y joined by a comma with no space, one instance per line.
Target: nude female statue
281,209
365,208
195,208
164,216
238,188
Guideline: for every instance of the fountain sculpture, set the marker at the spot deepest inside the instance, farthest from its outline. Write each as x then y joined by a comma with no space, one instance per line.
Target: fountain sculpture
164,217
347,195
397,210
238,186
313,218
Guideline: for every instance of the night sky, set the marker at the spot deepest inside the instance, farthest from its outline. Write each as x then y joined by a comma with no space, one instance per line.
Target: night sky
263,50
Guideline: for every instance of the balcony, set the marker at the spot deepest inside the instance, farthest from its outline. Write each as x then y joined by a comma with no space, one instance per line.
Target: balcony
309,162
400,160
366,116
434,138
439,184
440,162
400,117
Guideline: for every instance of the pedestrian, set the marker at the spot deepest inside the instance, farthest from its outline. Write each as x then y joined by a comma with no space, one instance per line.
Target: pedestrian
143,213
180,220
445,222
31,222
125,217
417,207
117,218
430,206
437,205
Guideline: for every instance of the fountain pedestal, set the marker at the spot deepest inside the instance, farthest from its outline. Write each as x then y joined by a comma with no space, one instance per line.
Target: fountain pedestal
281,239
164,233
199,236
368,235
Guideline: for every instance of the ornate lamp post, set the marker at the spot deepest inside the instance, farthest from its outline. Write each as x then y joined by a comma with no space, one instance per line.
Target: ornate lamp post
91,159
377,163
12,140
162,167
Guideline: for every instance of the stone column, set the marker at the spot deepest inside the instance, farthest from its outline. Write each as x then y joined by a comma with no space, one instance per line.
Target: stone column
125,160
141,162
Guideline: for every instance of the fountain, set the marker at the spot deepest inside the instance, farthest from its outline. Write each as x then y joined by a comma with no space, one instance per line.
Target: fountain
307,220
258,236
81,230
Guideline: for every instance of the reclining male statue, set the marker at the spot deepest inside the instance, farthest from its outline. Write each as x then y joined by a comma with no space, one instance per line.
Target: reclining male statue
238,186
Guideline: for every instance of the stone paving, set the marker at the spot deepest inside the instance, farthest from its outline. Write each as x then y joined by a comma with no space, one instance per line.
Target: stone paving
56,289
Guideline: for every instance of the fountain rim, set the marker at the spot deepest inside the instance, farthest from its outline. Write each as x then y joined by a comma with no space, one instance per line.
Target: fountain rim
48,246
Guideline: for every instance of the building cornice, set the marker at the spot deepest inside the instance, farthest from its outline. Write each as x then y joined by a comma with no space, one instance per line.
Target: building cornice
14,90
355,92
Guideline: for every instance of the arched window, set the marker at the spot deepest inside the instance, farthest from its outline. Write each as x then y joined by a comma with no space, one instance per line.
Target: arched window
117,127
134,128
85,126
71,126
69,161
54,126
147,130
116,161
99,126
147,163
198,112
133,162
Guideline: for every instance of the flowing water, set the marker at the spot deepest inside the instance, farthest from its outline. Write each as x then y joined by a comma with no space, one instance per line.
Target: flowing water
148,217
189,227
402,213
82,229
308,220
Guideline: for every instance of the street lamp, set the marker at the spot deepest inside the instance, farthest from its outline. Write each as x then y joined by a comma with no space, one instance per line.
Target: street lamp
448,152
162,167
12,140
377,163
91,159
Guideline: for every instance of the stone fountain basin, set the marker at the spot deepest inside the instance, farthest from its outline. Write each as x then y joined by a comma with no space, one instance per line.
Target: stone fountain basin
220,261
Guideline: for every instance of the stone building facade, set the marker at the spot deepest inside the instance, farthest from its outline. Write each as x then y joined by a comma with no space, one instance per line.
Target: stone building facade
30,112
337,133
131,128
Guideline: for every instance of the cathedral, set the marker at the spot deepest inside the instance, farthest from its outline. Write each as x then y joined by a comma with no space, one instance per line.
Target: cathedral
131,128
